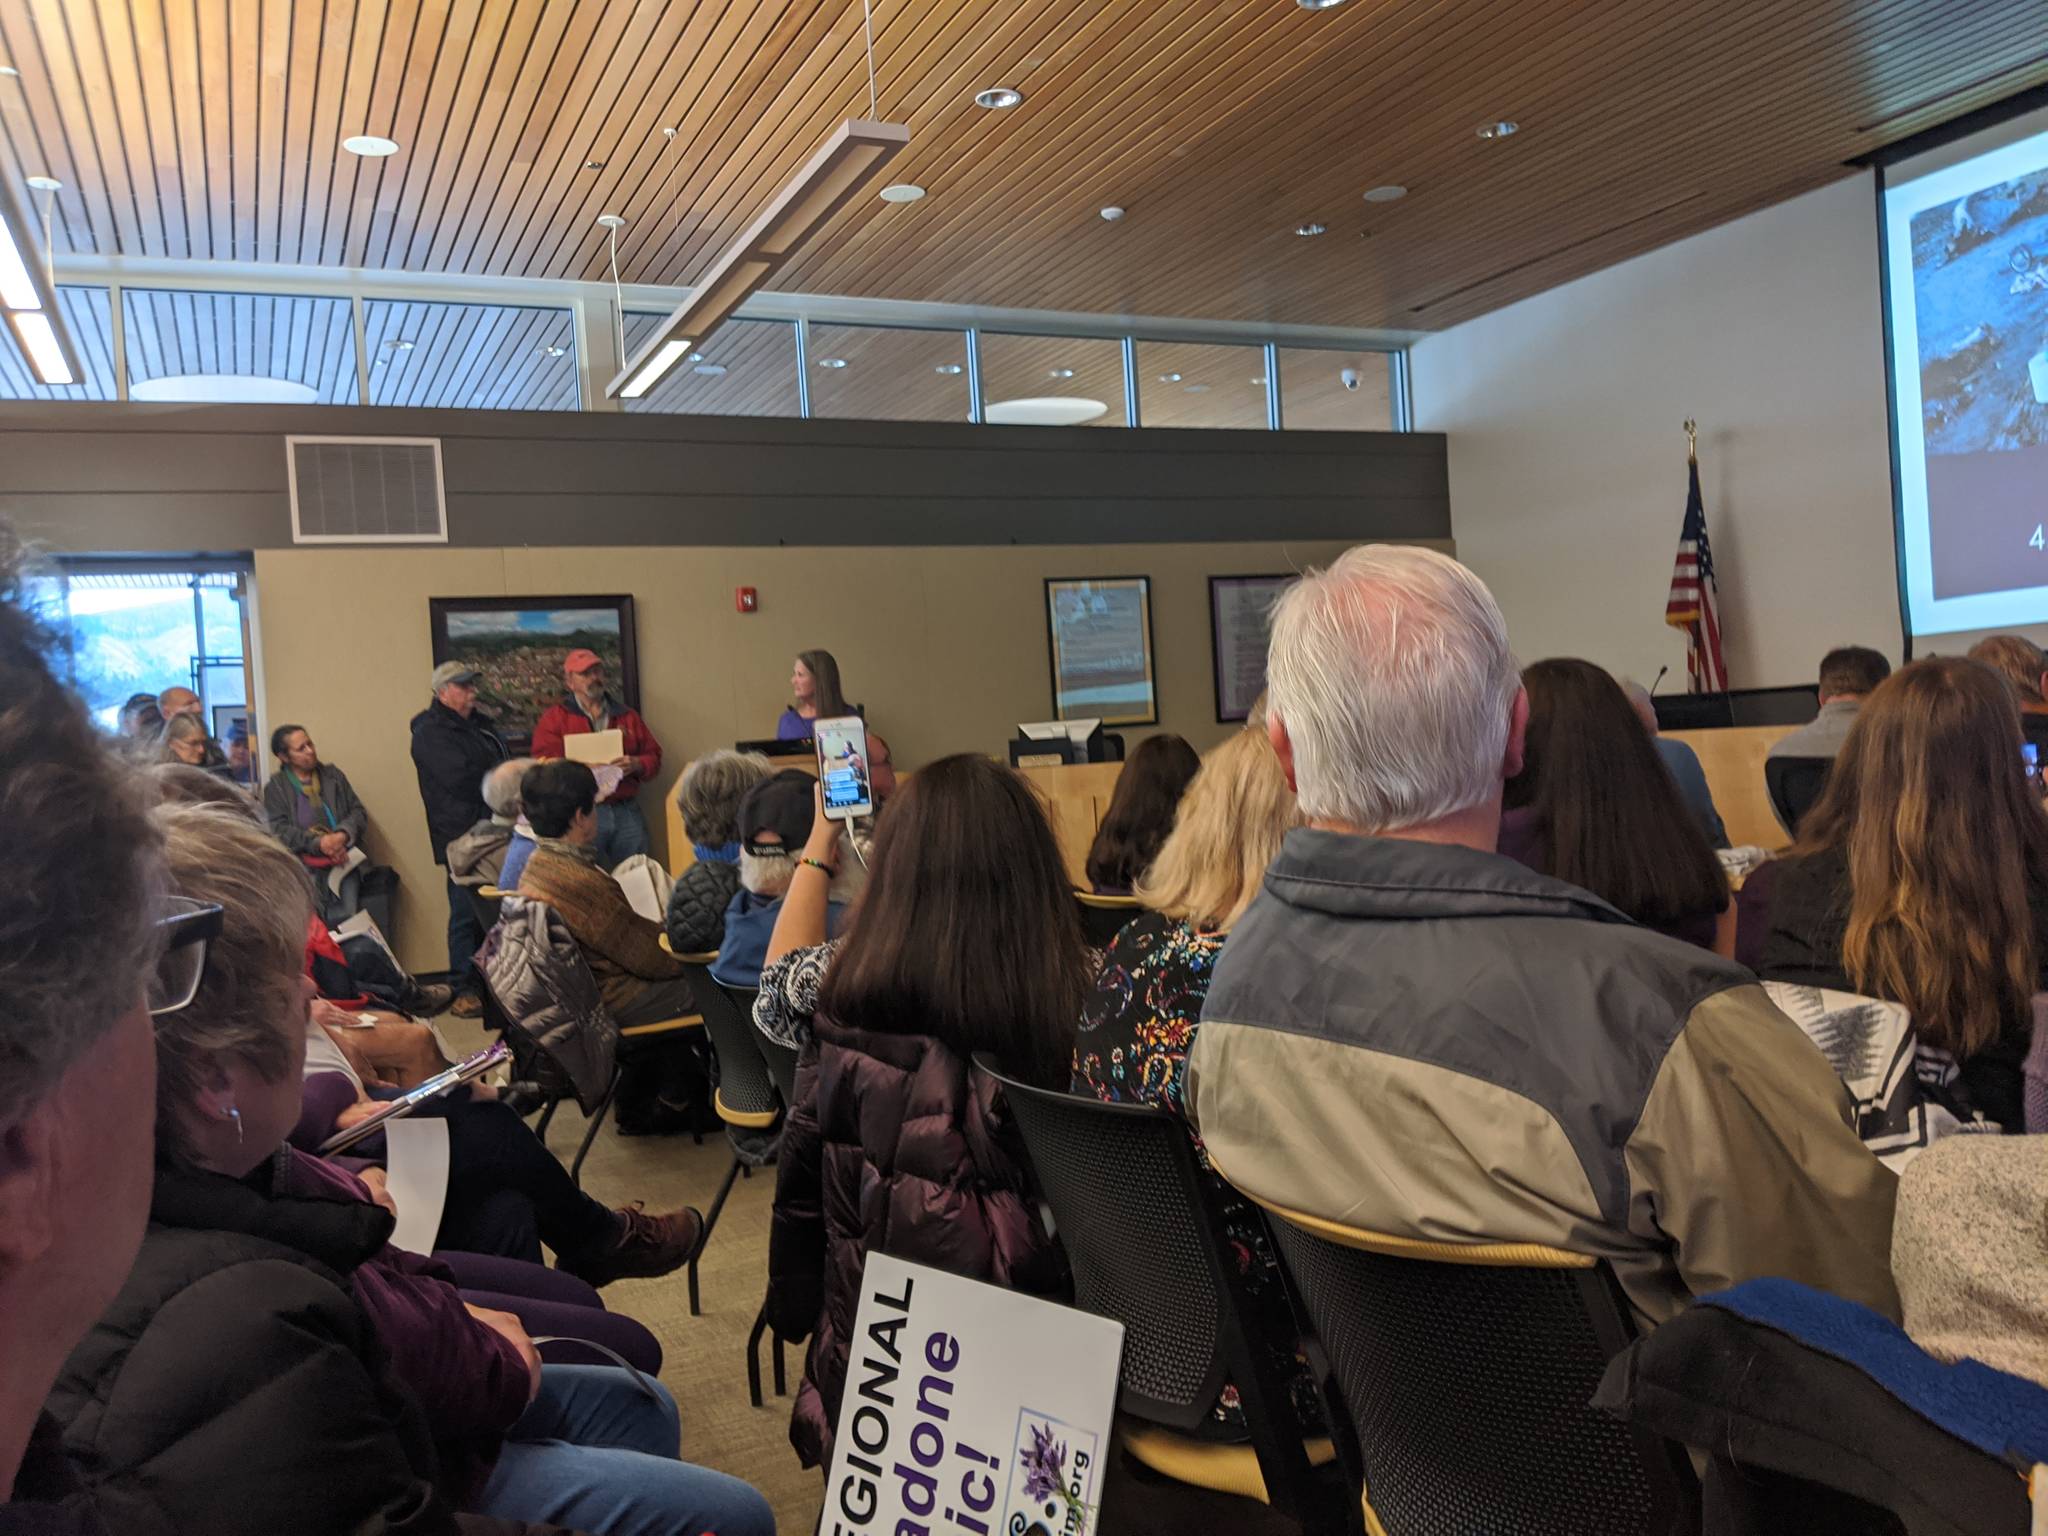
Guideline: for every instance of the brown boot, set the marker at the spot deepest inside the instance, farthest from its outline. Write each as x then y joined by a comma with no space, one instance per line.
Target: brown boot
647,1246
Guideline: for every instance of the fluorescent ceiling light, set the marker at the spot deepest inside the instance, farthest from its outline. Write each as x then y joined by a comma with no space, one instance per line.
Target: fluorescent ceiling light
370,146
224,388
45,353
664,359
1044,411
17,288
834,176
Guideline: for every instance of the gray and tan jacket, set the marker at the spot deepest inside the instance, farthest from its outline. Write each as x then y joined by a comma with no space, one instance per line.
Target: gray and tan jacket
1438,1043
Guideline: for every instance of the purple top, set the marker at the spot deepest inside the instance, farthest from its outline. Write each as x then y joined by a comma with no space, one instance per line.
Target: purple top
792,726
1521,839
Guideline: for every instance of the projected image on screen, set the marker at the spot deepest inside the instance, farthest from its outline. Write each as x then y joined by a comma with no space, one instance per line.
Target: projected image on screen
1968,293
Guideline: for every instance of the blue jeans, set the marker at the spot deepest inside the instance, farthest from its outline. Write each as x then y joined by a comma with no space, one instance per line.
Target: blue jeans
463,936
597,1454
621,832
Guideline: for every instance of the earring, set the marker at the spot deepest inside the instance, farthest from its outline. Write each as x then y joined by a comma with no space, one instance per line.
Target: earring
234,1114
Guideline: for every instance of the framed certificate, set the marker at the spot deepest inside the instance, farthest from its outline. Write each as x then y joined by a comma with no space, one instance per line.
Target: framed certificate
1099,632
1240,624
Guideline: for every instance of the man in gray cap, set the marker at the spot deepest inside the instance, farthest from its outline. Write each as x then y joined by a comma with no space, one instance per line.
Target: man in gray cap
454,744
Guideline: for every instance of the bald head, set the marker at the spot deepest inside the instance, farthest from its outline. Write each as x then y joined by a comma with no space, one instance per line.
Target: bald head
1392,691
178,701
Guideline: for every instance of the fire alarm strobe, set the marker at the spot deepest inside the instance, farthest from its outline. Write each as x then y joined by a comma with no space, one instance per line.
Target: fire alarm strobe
745,600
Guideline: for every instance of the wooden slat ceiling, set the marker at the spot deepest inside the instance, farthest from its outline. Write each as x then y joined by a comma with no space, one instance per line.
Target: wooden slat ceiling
210,129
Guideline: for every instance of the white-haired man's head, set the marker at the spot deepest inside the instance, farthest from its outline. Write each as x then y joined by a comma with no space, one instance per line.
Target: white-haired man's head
501,788
1394,700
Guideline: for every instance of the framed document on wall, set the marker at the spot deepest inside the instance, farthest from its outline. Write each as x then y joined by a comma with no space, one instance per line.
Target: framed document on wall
1240,623
1099,632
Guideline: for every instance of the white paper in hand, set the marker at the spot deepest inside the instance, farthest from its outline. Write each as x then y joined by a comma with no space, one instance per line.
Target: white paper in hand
355,860
594,746
416,1171
971,1408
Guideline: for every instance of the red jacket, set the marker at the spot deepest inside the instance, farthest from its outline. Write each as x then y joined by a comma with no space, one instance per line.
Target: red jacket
567,719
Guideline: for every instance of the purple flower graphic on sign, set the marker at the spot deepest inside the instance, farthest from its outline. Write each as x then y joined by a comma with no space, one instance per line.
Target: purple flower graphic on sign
1045,1465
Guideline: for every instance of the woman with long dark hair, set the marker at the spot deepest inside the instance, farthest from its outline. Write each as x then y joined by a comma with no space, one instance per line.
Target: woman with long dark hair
966,939
1594,805
1921,877
815,694
1140,813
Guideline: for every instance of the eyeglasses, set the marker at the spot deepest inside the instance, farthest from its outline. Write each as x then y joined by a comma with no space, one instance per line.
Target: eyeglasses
188,927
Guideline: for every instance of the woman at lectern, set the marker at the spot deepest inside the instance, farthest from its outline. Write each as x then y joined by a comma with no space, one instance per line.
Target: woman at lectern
815,695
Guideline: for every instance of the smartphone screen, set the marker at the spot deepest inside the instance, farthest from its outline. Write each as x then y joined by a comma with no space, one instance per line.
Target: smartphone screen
843,767
2030,755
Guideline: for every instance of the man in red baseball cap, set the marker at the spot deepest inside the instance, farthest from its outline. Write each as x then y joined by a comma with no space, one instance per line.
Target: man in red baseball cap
589,705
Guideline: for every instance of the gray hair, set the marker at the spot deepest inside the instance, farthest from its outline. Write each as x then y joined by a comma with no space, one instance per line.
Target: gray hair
501,786
250,1005
710,791
85,880
1392,676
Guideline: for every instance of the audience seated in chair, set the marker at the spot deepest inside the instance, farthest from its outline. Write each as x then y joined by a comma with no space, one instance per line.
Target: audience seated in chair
639,981
1847,677
777,818
1141,1015
313,810
1921,878
1683,763
1428,1011
83,913
494,851
1594,807
266,1301
141,718
185,740
708,797
2021,663
1140,813
890,1140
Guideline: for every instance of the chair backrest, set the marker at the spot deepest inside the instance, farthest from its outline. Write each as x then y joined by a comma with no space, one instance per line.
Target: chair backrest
1794,784
781,1061
1467,1387
1103,916
744,1086
1121,1181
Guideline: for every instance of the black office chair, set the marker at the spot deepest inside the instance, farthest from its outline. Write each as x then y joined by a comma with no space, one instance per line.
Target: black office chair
1794,785
745,1098
1103,917
1127,1195
1460,1379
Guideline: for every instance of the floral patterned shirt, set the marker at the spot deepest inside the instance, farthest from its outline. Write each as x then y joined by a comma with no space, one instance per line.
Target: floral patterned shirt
789,993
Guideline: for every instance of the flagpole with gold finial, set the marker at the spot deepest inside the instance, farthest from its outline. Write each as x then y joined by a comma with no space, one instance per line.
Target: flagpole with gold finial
1692,441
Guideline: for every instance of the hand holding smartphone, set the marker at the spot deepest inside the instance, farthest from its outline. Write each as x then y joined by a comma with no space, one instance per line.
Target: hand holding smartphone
842,747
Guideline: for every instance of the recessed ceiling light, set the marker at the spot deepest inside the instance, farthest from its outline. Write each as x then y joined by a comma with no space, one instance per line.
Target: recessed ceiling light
1500,130
696,357
1319,5
45,184
1308,230
947,368
593,165
902,192
1259,381
999,98
1387,194
1061,373
370,146
1194,389
9,72
710,370
1169,378
398,344
554,351
1112,213
831,362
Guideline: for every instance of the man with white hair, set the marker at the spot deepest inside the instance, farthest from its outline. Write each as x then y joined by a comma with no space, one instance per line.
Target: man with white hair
1411,1034
496,849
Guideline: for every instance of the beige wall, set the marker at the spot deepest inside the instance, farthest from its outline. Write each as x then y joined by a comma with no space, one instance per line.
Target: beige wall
1567,463
944,646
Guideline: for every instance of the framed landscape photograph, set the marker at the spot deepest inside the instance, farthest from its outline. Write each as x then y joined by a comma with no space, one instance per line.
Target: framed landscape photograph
1240,625
517,645
1099,632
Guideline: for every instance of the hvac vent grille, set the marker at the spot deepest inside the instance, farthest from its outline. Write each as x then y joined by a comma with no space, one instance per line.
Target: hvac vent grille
367,490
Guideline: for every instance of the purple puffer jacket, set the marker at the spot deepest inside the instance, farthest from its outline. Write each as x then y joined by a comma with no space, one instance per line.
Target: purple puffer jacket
892,1147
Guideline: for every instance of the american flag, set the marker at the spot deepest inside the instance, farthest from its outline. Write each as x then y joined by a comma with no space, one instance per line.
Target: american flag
1694,606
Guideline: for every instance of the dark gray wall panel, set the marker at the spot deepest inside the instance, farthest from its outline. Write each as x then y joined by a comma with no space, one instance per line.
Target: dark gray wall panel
148,477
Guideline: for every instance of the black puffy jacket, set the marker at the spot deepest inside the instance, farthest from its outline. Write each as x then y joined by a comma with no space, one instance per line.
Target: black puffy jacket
235,1388
451,753
696,907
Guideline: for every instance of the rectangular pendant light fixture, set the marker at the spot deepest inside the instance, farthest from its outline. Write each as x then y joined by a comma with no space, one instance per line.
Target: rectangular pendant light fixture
845,164
29,302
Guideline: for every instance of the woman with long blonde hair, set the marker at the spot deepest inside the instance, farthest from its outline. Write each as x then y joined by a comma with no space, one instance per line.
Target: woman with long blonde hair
1138,1023
1921,877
